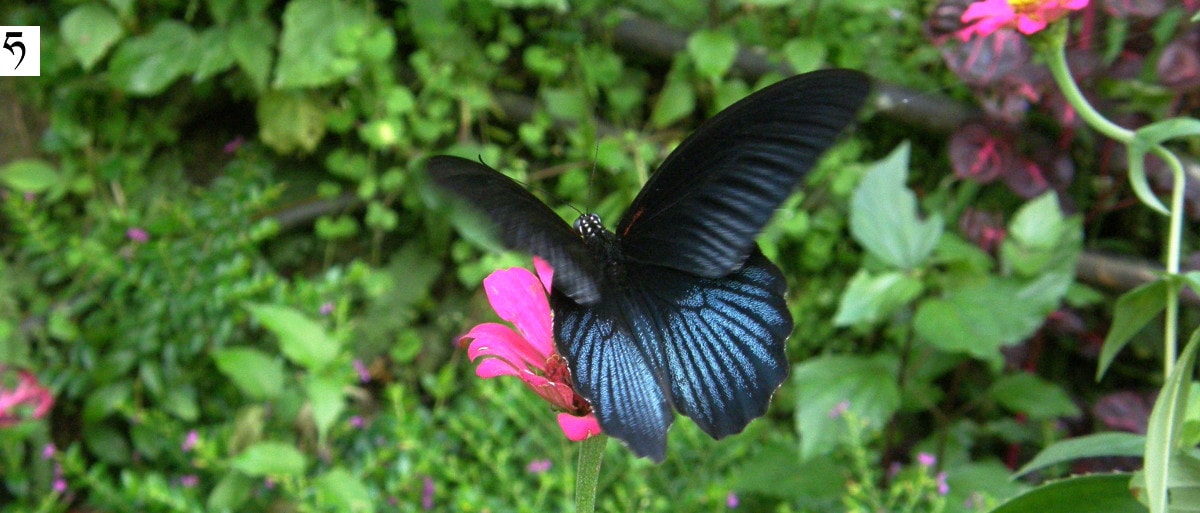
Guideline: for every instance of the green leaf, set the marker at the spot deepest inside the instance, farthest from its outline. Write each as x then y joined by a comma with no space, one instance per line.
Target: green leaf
713,52
145,65
1088,446
108,444
967,320
1133,311
251,42
254,373
30,175
270,459
1166,422
870,298
566,103
302,340
883,215
804,54
1184,483
344,492
89,31
1035,234
103,401
675,101
231,492
1161,131
290,122
775,470
1034,396
866,386
327,400
1096,493
309,53
1135,161
213,55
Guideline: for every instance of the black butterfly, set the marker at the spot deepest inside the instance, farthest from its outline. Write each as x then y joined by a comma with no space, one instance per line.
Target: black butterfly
678,307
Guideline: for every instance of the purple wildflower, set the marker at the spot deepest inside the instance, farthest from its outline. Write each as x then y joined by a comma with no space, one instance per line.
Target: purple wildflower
190,441
427,492
364,374
538,466
136,234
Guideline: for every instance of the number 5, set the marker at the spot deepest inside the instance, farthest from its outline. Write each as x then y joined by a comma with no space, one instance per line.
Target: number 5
15,44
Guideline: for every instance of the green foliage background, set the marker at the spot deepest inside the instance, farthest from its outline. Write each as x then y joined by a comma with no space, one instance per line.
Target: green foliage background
271,151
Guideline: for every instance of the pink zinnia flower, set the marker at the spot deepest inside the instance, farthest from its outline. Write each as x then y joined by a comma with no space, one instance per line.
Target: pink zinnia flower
528,353
1027,16
27,393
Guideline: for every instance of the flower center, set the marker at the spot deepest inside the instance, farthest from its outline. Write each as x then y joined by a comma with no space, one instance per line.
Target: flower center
1026,6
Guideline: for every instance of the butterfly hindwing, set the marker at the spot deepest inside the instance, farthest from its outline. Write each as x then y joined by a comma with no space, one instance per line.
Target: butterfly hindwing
713,347
522,222
724,343
703,207
626,391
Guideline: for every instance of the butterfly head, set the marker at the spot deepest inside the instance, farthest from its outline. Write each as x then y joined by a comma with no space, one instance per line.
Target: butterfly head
589,226
600,241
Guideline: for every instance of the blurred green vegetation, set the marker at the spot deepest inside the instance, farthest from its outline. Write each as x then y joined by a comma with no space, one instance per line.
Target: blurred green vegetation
214,222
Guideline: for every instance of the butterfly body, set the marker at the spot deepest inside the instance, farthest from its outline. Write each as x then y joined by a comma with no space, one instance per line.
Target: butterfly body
677,309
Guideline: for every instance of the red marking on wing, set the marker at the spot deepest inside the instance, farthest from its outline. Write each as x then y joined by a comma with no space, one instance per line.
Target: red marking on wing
633,220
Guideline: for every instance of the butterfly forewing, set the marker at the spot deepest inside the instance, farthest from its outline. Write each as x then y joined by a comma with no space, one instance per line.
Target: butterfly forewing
522,222
702,209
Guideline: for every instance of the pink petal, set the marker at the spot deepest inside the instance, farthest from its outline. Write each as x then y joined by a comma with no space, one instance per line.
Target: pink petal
987,9
558,394
1029,25
518,297
578,429
499,341
493,367
544,271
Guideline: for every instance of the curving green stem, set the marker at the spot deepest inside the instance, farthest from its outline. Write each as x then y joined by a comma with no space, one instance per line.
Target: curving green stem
587,477
1054,50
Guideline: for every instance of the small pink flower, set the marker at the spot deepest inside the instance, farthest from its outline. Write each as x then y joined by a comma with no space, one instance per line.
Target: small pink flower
137,235
357,422
1027,16
942,487
364,374
427,494
732,501
28,394
839,409
48,451
528,353
190,441
327,308
926,459
538,466
233,145
60,485
189,480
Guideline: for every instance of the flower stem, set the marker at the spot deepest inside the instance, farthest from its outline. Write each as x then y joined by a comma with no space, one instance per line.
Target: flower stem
587,477
1056,60
1056,57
